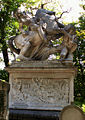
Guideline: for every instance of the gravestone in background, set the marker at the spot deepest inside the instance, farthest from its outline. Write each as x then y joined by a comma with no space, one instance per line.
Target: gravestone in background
4,89
72,112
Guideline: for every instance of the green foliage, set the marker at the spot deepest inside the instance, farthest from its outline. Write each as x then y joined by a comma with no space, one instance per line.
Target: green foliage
83,107
79,59
8,24
4,75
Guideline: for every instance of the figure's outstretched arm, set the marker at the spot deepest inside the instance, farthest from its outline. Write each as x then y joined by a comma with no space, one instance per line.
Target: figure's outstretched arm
65,33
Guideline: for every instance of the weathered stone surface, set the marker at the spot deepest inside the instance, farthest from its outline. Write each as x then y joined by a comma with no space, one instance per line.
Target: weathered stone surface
4,89
44,85
72,112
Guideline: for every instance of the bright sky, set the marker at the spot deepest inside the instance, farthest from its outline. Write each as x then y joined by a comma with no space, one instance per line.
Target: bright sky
68,17
75,9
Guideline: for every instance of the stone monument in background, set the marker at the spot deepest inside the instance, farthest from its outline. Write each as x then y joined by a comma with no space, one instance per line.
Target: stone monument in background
4,90
38,84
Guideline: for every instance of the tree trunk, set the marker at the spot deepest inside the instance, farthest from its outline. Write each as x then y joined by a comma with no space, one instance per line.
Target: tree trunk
4,46
5,56
5,52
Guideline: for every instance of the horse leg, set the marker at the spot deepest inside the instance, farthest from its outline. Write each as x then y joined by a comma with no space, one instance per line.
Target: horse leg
23,51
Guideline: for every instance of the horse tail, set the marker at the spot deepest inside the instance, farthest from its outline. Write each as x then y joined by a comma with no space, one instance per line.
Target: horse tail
11,46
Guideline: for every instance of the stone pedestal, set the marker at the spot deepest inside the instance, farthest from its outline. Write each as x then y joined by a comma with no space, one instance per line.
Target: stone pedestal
41,85
44,85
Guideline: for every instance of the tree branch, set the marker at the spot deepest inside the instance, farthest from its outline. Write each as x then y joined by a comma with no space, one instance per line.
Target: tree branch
42,5
61,15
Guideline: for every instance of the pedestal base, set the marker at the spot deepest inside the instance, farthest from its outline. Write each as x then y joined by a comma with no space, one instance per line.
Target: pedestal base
33,114
41,85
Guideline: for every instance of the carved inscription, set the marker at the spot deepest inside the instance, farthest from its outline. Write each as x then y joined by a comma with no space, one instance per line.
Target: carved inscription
40,91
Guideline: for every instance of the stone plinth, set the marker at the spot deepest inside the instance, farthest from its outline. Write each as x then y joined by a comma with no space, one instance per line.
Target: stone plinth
4,89
41,85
